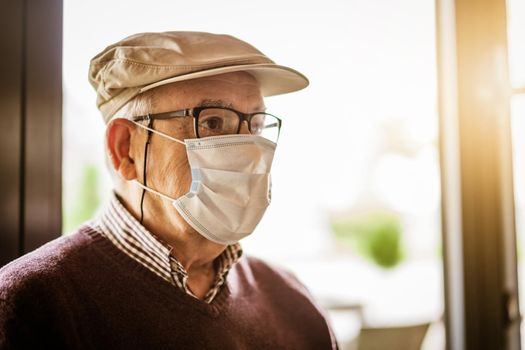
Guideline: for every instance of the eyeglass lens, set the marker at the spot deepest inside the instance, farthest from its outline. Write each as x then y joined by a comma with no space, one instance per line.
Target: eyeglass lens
218,121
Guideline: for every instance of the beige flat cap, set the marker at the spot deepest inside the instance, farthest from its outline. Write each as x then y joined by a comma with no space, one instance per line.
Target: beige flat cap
146,60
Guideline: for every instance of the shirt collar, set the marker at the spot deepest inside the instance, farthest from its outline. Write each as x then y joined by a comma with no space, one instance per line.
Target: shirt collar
129,235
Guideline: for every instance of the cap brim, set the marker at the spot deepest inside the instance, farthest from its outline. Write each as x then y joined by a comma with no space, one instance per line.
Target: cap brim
273,79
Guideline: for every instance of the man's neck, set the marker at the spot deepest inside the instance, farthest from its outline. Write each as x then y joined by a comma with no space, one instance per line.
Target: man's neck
195,253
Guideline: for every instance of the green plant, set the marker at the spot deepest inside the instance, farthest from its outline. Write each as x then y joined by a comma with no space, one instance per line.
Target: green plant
86,199
376,236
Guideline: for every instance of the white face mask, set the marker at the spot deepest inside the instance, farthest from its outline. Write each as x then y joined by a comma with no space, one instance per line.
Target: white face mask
230,187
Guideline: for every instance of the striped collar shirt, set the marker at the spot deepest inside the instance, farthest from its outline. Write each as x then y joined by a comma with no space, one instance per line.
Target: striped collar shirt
123,230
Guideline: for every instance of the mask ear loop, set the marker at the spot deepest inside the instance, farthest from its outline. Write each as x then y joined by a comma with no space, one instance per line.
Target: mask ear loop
149,129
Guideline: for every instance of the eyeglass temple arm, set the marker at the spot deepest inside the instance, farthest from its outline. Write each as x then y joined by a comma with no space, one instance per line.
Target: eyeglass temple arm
166,115
273,125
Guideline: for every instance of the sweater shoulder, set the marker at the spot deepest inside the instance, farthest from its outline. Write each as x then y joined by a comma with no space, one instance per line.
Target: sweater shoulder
273,275
44,264
260,266
285,286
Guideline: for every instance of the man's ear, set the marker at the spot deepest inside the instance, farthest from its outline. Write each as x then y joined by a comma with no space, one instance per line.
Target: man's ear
118,142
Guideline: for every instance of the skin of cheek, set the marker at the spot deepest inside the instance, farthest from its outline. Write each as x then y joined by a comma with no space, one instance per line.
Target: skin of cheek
168,171
174,175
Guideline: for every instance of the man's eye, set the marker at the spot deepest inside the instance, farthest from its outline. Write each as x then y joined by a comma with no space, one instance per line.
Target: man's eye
212,123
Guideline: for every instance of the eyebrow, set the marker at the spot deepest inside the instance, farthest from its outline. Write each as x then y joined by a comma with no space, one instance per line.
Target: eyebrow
221,103
214,103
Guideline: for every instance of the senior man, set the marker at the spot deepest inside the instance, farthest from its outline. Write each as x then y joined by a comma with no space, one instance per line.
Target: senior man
190,146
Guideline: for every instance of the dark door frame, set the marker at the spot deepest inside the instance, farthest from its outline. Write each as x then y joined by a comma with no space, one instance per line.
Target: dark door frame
31,127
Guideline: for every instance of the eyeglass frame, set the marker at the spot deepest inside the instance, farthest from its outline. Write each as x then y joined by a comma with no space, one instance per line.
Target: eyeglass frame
195,112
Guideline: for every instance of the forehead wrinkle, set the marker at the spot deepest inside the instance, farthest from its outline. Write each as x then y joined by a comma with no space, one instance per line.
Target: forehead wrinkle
178,95
207,102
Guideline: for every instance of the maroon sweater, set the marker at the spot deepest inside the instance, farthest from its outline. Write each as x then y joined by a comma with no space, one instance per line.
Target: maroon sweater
82,292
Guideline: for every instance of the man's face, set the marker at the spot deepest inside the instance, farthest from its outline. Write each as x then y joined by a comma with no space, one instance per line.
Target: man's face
168,170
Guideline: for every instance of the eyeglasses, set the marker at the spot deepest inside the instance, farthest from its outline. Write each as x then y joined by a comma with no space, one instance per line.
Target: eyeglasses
216,121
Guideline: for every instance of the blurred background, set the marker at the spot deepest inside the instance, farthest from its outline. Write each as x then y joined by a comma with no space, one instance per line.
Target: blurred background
404,237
